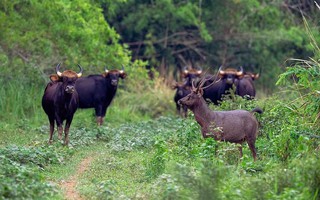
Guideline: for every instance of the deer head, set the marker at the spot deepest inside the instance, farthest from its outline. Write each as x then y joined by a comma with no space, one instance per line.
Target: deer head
195,97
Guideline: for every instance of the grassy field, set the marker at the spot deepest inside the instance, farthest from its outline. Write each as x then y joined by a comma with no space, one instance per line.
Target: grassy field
145,151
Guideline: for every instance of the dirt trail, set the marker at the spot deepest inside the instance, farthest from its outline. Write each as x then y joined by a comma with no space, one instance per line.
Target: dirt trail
69,186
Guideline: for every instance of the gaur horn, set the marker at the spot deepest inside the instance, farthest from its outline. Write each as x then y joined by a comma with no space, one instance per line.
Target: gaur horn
122,70
81,70
58,70
221,72
199,71
185,70
240,73
256,76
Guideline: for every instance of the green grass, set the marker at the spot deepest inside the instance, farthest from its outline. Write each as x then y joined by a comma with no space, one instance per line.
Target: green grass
138,155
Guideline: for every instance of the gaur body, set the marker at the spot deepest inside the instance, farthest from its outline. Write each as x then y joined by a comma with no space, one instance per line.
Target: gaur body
60,101
98,91
245,86
223,82
181,91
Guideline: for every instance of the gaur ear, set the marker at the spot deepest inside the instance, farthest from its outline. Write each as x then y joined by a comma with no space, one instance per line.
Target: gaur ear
255,76
173,86
183,75
240,76
105,74
123,75
54,78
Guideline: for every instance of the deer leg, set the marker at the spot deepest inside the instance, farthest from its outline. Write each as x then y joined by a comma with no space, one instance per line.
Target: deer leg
240,150
253,150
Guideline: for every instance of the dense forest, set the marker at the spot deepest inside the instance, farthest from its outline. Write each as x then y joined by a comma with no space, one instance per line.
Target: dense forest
145,150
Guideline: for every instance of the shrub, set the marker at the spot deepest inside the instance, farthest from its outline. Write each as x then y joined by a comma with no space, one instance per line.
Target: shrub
20,181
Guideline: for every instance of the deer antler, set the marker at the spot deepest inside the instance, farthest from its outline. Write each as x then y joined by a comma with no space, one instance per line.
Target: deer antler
202,82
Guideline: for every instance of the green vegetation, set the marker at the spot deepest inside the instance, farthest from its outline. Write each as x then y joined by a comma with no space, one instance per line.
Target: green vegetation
145,151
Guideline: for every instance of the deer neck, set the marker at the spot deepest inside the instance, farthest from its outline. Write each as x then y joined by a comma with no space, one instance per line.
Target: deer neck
202,113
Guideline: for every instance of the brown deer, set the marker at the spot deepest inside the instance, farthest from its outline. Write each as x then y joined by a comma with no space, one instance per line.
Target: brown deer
235,126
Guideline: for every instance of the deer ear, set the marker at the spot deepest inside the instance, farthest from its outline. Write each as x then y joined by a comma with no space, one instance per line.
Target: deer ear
200,92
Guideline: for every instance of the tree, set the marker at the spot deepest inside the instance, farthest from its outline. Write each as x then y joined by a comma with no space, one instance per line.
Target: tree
163,32
35,35
255,34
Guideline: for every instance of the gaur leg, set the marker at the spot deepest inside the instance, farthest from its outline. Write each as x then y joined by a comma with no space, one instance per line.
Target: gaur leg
178,109
98,119
103,114
59,125
101,120
185,111
51,120
99,114
66,131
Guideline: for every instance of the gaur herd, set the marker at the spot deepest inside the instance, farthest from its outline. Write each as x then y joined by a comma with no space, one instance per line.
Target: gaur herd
68,91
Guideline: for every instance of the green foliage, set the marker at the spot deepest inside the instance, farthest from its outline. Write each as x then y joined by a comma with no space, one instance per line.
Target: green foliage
258,35
38,156
156,165
20,99
138,153
21,182
305,75
37,35
19,172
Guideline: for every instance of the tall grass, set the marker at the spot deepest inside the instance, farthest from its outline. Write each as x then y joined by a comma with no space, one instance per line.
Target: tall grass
136,99
20,100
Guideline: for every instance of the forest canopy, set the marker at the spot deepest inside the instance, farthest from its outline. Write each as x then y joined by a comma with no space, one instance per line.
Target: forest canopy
166,35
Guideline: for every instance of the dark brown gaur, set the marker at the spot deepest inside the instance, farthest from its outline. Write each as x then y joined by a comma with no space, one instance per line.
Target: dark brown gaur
236,126
191,74
228,81
60,101
98,91
182,90
245,85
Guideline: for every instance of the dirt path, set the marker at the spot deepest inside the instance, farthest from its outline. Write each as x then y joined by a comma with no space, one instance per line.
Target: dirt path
69,186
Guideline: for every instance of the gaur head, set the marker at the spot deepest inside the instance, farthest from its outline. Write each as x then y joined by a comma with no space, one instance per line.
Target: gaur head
180,87
113,76
67,77
230,74
252,76
191,74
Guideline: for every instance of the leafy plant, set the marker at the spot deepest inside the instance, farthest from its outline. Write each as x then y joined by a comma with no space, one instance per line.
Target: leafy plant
157,164
20,176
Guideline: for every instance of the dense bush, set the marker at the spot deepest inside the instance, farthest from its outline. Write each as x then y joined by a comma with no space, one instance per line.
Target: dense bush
22,182
20,172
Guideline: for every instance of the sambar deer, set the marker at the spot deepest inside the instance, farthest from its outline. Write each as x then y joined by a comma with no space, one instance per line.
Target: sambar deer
235,126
